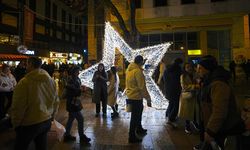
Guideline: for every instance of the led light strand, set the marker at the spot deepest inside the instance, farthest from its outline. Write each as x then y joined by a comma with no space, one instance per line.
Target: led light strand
152,54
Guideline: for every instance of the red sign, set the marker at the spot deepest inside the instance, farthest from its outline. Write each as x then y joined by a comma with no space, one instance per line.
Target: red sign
28,24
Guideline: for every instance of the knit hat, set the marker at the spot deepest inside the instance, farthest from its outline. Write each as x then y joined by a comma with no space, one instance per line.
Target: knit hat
208,62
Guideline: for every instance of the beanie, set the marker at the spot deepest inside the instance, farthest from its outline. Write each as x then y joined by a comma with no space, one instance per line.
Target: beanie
208,62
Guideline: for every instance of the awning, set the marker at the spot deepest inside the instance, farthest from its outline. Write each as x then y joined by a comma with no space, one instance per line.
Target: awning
12,57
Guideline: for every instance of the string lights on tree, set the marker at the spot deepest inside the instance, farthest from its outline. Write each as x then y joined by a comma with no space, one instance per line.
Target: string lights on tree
152,54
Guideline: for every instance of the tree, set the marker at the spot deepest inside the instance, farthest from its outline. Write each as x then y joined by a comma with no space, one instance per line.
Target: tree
132,35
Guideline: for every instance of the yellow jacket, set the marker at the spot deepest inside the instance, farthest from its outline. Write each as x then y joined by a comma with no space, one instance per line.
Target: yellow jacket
135,83
34,99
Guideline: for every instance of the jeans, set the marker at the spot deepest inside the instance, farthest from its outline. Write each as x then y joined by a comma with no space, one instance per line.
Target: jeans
136,116
37,132
78,116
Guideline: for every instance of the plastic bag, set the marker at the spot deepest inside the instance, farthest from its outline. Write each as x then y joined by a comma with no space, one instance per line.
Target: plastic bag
57,130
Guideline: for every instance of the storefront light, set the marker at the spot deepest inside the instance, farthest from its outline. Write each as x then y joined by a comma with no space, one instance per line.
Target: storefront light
194,52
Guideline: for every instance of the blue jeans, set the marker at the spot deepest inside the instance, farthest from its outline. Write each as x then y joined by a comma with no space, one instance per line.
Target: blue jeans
37,132
78,116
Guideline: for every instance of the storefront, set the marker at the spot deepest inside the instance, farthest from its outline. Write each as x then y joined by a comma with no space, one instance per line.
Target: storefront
12,59
75,58
56,58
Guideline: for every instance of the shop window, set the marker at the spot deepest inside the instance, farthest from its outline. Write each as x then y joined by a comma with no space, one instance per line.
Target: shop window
154,39
187,1
192,40
137,3
167,37
143,40
32,5
12,3
217,0
159,3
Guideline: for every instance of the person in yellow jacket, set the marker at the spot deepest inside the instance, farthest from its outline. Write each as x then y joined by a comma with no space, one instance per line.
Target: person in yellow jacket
136,91
35,102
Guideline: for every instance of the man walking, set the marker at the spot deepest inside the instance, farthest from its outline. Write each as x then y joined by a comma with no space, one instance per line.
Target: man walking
35,102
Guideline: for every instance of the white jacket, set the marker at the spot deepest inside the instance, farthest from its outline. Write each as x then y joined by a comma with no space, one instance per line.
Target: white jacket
7,82
35,99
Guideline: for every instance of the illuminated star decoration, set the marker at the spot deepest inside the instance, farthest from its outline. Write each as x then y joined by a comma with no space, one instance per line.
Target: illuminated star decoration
152,54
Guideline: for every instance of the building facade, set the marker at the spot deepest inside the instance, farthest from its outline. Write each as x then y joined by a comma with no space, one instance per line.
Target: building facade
43,26
195,27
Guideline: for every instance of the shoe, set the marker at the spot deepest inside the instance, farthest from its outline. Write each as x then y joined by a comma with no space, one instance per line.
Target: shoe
172,124
114,115
197,147
141,131
196,126
68,138
84,139
188,130
97,115
134,140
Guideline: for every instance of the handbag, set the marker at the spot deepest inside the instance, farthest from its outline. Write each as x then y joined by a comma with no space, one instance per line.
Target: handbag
76,104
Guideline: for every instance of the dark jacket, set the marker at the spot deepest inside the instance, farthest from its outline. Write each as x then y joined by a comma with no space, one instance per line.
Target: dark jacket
73,93
100,87
172,81
218,104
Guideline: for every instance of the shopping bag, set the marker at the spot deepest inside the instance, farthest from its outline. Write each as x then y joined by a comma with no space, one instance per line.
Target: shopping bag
57,130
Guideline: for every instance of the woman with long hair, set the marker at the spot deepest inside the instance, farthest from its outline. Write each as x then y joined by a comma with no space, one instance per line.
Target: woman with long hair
113,91
100,94
187,107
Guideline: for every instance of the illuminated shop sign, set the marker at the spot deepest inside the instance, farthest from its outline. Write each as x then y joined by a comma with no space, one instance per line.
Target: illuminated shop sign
74,56
194,52
58,55
24,50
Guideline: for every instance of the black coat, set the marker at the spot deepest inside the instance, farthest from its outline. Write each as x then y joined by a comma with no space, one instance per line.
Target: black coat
171,79
100,87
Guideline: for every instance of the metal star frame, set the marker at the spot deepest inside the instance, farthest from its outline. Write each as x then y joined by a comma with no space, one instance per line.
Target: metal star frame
152,54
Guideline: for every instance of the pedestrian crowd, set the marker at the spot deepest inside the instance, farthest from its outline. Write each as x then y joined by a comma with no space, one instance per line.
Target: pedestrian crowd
199,94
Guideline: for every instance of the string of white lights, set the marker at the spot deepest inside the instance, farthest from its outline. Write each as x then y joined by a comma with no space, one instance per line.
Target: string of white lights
152,54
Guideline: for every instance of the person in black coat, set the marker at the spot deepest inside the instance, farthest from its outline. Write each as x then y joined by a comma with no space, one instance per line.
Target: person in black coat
171,79
100,93
74,106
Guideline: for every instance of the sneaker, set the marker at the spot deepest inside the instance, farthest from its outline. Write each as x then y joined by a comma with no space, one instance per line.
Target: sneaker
97,115
141,131
172,124
68,138
188,130
197,147
84,139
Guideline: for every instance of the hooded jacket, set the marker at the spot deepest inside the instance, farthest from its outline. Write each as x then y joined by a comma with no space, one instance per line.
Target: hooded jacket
219,109
35,99
135,83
